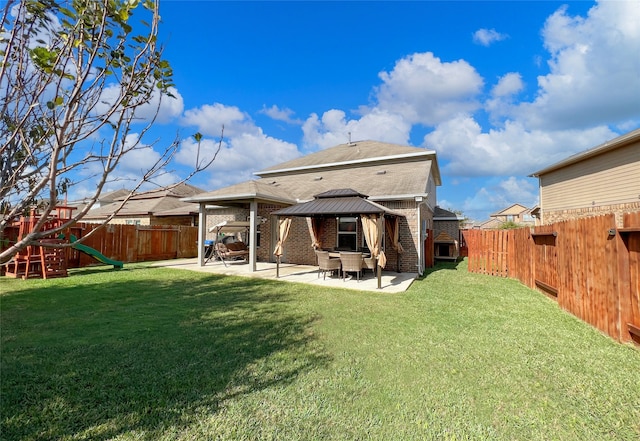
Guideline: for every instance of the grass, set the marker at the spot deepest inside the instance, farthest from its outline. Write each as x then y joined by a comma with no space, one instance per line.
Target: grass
156,354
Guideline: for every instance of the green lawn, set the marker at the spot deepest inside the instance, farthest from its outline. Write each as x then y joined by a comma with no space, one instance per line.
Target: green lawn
156,354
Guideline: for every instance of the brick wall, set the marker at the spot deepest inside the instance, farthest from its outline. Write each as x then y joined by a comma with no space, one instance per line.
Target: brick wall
298,246
452,228
550,217
214,217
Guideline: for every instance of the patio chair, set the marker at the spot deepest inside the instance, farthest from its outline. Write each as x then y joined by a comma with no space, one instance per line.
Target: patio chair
369,263
351,262
325,263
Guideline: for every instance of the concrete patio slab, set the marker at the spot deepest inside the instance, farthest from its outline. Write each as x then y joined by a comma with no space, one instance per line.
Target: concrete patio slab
392,282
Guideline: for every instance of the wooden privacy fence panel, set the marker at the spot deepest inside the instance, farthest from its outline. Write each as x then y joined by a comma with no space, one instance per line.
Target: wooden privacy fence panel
630,300
545,259
592,268
589,272
520,255
136,243
488,251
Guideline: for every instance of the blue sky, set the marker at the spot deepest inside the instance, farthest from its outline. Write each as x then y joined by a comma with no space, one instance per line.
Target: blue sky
498,89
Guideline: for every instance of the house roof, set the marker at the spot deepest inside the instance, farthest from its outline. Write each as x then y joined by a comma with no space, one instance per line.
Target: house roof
245,192
513,209
381,170
440,214
148,203
379,181
613,144
341,202
184,210
353,155
491,224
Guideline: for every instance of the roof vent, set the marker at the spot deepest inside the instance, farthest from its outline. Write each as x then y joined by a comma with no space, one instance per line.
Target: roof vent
381,172
318,178
350,143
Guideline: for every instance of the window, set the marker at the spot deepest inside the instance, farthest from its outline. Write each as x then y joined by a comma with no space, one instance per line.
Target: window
347,233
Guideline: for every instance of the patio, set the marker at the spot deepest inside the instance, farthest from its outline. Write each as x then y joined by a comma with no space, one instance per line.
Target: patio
391,281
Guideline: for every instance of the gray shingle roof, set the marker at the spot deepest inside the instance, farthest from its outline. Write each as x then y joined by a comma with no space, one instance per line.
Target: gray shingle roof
347,153
381,170
377,181
248,190
147,203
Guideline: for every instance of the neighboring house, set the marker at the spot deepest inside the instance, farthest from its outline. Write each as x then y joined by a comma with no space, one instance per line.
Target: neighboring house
104,199
604,179
402,179
163,206
515,213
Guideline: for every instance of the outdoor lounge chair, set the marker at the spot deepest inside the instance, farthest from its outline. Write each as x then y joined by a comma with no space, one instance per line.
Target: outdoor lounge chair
351,262
231,250
325,263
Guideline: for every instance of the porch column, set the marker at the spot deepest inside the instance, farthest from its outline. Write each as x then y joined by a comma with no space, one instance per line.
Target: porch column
253,234
202,229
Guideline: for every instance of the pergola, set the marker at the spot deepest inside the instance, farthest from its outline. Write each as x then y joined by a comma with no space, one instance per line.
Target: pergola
342,202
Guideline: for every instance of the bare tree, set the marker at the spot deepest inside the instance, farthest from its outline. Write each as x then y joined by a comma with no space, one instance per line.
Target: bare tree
75,78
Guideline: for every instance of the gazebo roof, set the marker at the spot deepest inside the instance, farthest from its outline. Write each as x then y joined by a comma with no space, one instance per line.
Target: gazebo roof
340,202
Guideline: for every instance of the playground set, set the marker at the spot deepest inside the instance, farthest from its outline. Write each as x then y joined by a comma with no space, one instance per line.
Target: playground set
49,259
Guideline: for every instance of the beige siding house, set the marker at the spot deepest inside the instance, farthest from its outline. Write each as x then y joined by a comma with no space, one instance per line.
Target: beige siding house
401,178
604,179
156,207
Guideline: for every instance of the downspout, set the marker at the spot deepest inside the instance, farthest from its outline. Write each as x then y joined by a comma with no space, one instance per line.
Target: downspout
253,234
420,200
202,227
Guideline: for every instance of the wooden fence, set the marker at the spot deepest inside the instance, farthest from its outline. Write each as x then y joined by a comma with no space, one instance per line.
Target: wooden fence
130,243
136,243
588,265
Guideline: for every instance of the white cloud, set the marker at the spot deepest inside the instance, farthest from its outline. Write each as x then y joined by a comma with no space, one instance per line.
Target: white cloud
131,169
210,118
163,107
278,114
334,128
498,195
593,75
503,95
487,37
469,151
238,157
509,84
425,90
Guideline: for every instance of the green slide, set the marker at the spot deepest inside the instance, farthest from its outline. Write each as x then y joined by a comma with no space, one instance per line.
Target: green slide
94,253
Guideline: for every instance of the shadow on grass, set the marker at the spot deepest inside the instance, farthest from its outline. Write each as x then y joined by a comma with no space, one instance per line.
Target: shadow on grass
442,265
97,360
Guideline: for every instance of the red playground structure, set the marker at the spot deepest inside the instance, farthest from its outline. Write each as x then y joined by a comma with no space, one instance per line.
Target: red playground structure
47,260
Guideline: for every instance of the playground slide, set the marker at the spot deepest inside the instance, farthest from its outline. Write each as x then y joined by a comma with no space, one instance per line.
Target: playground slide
95,253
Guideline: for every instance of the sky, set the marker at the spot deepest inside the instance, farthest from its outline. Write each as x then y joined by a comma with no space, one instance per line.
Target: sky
498,89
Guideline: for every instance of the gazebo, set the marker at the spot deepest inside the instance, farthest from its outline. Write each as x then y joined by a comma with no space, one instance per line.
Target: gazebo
343,202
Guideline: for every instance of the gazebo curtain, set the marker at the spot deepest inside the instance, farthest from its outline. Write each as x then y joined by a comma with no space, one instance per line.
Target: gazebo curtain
315,229
283,232
373,227
394,233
